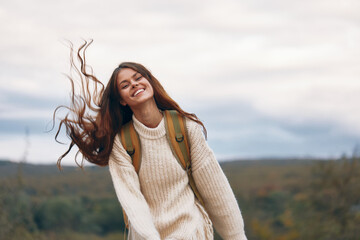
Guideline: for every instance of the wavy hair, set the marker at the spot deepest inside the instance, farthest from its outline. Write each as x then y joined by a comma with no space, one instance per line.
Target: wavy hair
95,115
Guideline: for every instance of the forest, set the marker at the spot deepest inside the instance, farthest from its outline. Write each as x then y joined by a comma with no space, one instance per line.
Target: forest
280,199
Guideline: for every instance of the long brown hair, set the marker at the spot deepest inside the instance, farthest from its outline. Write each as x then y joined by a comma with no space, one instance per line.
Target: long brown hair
96,116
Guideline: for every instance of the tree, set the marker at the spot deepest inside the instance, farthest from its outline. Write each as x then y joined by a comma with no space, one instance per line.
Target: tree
334,200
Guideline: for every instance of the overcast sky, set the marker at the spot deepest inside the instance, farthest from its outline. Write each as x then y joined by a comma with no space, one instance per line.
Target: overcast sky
268,78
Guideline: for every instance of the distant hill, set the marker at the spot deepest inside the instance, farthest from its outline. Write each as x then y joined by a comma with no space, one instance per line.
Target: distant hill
9,168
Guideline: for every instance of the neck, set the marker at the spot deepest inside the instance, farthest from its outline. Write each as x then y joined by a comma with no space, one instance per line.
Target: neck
148,114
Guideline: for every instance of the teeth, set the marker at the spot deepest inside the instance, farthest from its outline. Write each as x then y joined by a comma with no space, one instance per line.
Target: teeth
138,91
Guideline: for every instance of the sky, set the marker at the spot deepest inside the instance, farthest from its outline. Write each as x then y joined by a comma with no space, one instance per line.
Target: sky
268,78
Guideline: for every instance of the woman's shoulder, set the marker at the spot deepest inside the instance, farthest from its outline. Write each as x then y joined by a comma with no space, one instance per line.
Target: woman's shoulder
118,153
194,129
191,124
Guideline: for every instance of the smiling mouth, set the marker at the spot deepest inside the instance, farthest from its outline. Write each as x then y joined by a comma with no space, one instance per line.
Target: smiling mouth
138,91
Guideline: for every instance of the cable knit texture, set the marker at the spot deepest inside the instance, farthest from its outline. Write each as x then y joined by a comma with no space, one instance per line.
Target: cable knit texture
159,201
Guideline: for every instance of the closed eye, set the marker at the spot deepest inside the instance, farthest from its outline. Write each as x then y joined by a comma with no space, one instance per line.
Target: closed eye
124,86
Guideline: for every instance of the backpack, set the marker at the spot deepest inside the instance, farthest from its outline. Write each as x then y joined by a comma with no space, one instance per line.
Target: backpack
176,134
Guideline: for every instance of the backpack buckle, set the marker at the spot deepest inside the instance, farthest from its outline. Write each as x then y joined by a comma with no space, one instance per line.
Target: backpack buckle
179,137
130,151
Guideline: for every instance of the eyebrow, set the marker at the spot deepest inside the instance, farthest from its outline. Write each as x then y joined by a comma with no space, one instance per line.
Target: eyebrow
127,79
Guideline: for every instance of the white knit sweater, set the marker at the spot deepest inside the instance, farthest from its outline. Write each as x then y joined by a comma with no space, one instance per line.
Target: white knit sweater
159,201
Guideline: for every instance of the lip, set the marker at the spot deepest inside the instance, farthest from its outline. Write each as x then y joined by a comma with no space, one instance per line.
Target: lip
138,91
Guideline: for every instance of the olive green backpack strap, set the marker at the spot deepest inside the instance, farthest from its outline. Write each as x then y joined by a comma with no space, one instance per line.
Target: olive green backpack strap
179,143
131,143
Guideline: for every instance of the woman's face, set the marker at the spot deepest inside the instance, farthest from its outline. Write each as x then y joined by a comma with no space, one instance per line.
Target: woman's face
134,89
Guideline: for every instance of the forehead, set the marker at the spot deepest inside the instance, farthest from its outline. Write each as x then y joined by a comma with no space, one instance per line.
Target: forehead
125,74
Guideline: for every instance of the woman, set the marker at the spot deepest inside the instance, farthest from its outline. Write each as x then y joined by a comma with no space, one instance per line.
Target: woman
158,200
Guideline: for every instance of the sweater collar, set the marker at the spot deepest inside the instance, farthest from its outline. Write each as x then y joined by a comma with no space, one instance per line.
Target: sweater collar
150,133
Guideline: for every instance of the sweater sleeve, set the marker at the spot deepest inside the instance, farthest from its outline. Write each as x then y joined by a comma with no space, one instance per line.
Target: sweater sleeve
127,188
214,188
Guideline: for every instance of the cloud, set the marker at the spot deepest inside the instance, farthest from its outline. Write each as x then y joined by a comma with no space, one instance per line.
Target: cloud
284,65
237,129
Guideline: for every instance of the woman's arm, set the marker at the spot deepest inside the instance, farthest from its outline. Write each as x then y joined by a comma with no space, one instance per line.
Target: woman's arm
219,199
127,188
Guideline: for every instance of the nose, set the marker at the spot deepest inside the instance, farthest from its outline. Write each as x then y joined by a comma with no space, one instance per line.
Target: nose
134,84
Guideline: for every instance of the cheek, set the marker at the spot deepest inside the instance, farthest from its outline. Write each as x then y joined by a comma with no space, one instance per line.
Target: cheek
122,101
118,92
150,86
122,96
150,90
123,93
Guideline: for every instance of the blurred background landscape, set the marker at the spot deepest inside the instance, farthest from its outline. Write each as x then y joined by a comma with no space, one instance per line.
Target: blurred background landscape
279,199
276,83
